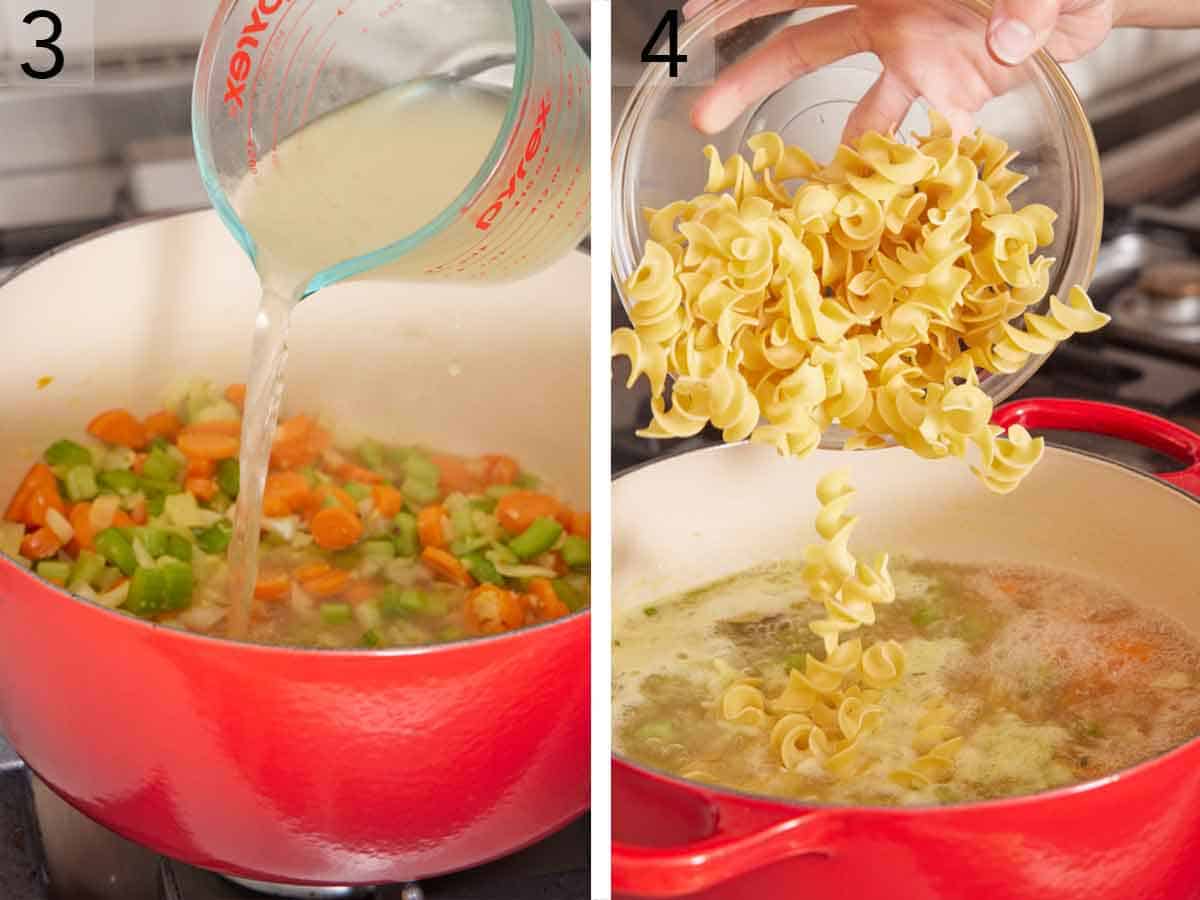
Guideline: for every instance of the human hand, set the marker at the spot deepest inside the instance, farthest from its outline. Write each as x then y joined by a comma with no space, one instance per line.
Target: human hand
929,48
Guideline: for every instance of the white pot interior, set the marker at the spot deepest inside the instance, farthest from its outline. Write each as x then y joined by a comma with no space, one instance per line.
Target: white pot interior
684,522
470,369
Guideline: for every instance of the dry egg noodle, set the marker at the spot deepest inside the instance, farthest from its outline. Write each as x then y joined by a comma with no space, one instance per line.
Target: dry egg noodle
870,297
1017,679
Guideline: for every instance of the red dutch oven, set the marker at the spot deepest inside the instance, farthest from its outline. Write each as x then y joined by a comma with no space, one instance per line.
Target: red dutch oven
1134,835
278,764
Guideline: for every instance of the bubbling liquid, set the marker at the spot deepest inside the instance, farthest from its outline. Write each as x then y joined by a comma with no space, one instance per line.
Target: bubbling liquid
1053,679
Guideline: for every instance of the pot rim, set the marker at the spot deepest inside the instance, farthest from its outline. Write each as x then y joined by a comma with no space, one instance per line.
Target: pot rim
326,652
803,806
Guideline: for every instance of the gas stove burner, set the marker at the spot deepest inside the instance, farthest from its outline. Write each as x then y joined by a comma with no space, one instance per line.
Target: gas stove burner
1163,306
308,892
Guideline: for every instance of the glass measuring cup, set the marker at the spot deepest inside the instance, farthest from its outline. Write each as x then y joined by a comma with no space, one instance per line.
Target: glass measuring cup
270,69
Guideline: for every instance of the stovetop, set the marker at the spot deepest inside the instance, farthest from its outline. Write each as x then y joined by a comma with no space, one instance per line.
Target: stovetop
49,851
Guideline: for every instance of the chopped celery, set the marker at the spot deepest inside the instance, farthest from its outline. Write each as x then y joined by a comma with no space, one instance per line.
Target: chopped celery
405,538
484,504
160,444
422,493
372,454
108,578
418,466
157,486
335,613
154,540
220,503
229,477
378,549
576,552
436,605
461,521
463,546
536,539
659,729
215,409
527,481
86,570
158,466
347,559
216,537
569,594
395,601
357,490
450,633
119,480
54,570
183,511
81,483
155,504
179,547
147,592
926,614
178,583
117,549
69,454
370,638
397,456
481,568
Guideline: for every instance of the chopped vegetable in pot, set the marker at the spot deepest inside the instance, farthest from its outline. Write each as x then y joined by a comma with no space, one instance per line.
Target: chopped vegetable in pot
365,546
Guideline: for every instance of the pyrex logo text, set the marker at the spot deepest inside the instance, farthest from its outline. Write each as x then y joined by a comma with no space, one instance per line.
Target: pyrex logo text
484,222
241,64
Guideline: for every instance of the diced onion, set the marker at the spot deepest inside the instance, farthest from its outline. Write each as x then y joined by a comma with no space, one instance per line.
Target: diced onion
114,598
144,559
284,526
58,523
103,509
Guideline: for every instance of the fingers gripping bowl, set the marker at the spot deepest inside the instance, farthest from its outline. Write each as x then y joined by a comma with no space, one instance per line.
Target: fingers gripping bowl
279,763
656,142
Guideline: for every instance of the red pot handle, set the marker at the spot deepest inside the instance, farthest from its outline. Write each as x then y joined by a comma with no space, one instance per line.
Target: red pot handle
1115,421
701,865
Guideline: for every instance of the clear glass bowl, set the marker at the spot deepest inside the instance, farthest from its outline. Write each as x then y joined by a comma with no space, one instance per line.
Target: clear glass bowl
657,159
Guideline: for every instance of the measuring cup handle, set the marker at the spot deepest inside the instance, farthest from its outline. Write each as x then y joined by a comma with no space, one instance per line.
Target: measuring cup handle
1114,421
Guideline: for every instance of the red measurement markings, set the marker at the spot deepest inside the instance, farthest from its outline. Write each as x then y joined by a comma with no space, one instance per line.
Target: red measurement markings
287,71
241,63
264,65
320,64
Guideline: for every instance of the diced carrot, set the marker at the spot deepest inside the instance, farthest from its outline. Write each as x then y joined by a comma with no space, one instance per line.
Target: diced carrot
236,394
360,590
490,609
443,563
388,501
318,497
500,469
164,424
80,518
275,507
579,523
309,571
118,426
207,444
40,544
429,526
38,478
298,441
290,487
549,606
335,528
203,489
139,463
348,471
138,512
518,510
332,582
272,586
454,475
45,497
229,427
1010,586
1132,648
121,519
200,468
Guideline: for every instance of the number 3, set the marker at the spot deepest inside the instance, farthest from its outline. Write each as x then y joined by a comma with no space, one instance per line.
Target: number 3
46,43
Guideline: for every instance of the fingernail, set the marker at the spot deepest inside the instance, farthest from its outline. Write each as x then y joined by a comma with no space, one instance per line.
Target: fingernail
1012,41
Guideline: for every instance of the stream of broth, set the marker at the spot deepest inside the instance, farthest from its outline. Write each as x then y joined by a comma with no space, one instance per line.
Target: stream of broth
352,182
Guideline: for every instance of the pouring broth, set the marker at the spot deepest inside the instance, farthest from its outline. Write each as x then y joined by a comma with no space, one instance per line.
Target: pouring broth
1046,677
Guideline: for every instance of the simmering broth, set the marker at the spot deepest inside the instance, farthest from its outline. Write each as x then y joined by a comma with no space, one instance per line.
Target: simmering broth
1049,679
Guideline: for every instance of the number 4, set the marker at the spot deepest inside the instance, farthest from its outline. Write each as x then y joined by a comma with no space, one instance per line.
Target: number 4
669,22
